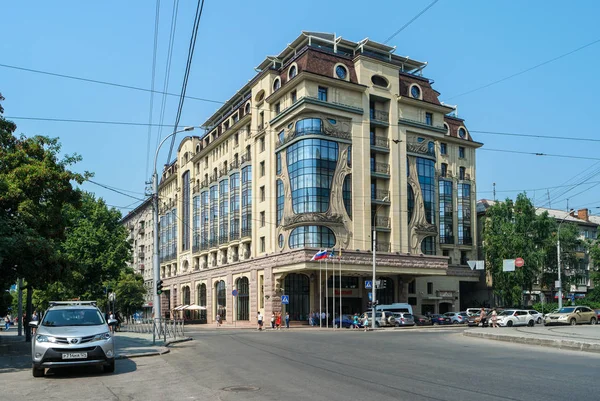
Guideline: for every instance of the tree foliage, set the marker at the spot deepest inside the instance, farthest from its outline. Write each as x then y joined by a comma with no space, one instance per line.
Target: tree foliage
514,229
130,292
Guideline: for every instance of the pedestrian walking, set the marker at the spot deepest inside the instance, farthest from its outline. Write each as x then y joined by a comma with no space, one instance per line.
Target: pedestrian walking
273,321
278,321
355,321
6,322
218,319
111,326
34,318
494,318
260,321
366,322
287,320
482,317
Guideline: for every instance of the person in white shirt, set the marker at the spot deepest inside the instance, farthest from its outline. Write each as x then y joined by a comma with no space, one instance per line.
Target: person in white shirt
260,321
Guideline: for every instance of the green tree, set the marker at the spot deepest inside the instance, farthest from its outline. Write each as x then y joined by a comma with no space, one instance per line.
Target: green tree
130,292
511,230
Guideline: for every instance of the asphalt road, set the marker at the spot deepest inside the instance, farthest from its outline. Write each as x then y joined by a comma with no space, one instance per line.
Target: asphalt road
344,365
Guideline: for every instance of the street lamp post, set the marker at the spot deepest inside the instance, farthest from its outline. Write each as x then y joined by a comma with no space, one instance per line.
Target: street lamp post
558,260
155,262
374,285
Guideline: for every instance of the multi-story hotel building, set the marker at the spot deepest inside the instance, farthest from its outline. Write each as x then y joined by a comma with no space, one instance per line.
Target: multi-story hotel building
141,238
330,140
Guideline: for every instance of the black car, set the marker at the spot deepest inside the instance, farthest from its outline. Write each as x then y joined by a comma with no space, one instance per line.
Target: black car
422,320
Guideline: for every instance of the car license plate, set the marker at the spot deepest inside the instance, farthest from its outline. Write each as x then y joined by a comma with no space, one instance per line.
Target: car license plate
75,355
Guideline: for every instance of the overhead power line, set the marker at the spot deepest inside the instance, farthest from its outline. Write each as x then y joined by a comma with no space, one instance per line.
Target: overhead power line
114,190
95,81
539,154
188,68
156,24
526,70
566,138
411,21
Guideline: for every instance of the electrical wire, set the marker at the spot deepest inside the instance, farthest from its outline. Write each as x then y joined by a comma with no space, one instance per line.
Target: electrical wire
156,24
535,136
526,70
186,75
114,190
411,21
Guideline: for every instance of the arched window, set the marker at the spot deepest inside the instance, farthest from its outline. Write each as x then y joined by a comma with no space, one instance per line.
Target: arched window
276,84
293,71
385,296
311,165
247,108
243,299
202,301
297,288
221,307
312,236
410,202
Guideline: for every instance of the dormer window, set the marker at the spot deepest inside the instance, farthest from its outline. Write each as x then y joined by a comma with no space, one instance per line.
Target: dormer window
292,72
276,84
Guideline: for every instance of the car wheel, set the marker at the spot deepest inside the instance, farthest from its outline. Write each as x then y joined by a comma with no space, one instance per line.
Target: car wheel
531,323
455,322
110,368
593,321
435,323
37,372
509,323
539,321
376,324
573,322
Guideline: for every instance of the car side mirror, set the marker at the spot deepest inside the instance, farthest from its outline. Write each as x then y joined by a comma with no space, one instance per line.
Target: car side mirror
33,324
112,321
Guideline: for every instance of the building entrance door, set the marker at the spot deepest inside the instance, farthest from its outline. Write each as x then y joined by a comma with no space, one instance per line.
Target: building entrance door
297,288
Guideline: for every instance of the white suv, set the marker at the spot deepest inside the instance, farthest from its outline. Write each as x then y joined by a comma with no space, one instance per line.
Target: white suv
72,334
382,318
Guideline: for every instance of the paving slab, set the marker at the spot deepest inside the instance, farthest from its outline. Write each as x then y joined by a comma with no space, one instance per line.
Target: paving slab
580,338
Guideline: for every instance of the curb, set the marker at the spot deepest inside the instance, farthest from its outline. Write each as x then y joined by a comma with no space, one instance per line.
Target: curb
561,344
163,350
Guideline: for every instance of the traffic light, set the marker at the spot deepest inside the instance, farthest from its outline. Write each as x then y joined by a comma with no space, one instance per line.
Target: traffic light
370,305
159,287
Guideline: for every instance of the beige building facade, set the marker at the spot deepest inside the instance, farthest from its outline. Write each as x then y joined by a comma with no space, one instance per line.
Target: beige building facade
330,141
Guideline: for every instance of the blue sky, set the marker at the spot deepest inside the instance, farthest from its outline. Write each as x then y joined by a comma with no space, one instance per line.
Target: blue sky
467,44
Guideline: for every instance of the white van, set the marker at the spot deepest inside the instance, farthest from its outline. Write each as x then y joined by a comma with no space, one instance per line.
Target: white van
397,307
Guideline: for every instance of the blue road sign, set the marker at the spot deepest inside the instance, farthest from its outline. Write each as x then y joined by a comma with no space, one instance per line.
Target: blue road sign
234,293
368,284
285,299
370,296
573,297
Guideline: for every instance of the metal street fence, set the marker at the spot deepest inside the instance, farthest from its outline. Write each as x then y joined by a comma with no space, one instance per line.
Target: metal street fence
159,328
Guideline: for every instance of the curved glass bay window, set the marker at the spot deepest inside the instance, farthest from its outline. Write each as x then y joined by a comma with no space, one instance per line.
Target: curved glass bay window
234,206
446,213
312,236
347,194
162,250
185,214
410,201
196,226
280,201
311,165
204,220
309,126
214,215
223,211
173,242
464,214
246,201
426,172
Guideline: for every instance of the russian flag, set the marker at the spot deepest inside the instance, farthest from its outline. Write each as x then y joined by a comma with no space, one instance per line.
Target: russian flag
320,255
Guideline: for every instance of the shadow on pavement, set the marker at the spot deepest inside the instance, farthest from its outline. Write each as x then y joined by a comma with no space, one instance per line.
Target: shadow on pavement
122,366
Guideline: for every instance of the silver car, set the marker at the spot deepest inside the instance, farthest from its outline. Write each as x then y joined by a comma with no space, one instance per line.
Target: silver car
72,334
404,319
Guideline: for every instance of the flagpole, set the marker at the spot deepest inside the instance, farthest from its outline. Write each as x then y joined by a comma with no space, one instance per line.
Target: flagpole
333,292
326,295
320,295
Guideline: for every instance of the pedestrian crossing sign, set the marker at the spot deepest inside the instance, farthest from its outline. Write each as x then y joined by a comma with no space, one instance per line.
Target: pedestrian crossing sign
285,299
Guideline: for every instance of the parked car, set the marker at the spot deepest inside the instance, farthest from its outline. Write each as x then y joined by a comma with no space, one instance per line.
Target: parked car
515,317
72,334
538,316
476,311
457,317
440,319
572,315
404,319
347,321
382,319
475,320
422,320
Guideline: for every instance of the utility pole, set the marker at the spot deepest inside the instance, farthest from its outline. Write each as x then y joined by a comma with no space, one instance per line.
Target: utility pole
20,307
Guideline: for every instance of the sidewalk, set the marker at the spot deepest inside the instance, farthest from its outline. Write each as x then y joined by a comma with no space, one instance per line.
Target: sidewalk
15,353
578,338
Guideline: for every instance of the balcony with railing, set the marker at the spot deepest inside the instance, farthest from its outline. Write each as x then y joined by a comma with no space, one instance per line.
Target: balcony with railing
329,132
447,240
223,171
141,254
379,117
213,177
234,164
203,183
382,222
381,195
380,143
378,168
246,158
382,246
246,232
196,189
465,241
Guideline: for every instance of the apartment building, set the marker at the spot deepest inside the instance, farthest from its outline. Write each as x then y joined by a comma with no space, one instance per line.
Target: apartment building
330,141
